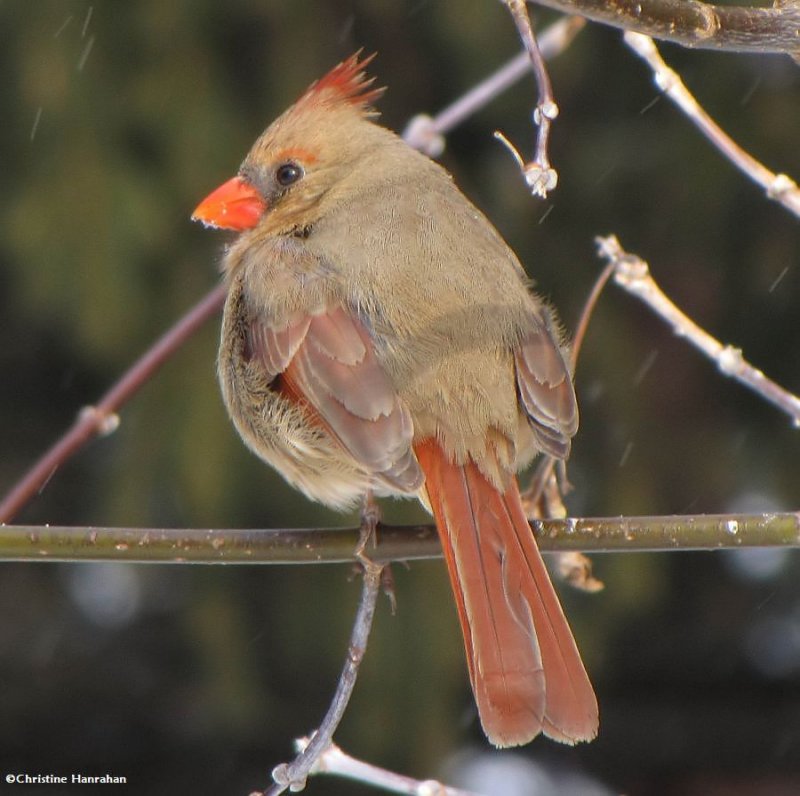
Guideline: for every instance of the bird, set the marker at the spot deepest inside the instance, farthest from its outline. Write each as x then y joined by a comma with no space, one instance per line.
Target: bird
379,337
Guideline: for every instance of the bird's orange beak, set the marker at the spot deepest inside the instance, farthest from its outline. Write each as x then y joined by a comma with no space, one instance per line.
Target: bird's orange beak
234,205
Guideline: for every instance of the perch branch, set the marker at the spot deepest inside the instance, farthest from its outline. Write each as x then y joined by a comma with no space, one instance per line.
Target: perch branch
633,274
394,542
769,29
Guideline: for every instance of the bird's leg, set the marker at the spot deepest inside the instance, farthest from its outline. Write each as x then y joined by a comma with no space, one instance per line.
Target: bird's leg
370,518
544,497
533,498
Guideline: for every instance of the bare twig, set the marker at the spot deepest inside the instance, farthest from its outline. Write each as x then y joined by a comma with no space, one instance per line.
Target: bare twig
426,133
633,274
540,176
334,761
779,187
102,419
293,775
586,314
768,29
394,542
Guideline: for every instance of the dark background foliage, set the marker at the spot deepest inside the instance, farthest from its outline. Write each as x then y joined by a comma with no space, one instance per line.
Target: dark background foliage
117,119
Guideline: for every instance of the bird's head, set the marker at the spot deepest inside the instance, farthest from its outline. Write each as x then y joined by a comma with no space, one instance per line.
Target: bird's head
300,160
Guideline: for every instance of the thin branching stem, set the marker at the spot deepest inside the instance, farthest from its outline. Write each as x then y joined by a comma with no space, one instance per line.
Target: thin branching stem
338,763
426,133
586,314
540,176
293,775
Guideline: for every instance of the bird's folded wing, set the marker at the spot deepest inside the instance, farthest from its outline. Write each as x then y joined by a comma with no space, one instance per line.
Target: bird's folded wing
328,362
544,385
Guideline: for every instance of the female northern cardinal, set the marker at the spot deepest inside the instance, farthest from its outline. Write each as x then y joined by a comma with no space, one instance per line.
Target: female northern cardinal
379,335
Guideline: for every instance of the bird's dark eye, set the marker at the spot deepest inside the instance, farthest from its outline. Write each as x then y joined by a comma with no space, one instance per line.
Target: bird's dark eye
287,173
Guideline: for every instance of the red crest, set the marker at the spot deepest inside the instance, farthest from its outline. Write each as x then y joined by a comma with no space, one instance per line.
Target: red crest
346,83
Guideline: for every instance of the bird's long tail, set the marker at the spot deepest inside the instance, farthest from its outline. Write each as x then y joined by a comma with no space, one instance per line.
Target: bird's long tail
526,672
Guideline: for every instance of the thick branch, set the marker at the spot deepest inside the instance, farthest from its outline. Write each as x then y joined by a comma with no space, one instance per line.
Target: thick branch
694,24
395,543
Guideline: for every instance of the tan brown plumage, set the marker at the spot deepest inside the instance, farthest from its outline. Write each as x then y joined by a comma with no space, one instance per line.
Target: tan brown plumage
379,335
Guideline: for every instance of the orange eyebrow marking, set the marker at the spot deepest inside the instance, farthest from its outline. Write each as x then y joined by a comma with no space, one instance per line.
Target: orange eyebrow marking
294,152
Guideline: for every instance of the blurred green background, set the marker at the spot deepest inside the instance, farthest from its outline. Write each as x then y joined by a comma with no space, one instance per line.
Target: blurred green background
117,118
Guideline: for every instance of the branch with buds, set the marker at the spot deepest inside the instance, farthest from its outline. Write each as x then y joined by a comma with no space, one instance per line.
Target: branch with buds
779,187
101,419
633,274
540,176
